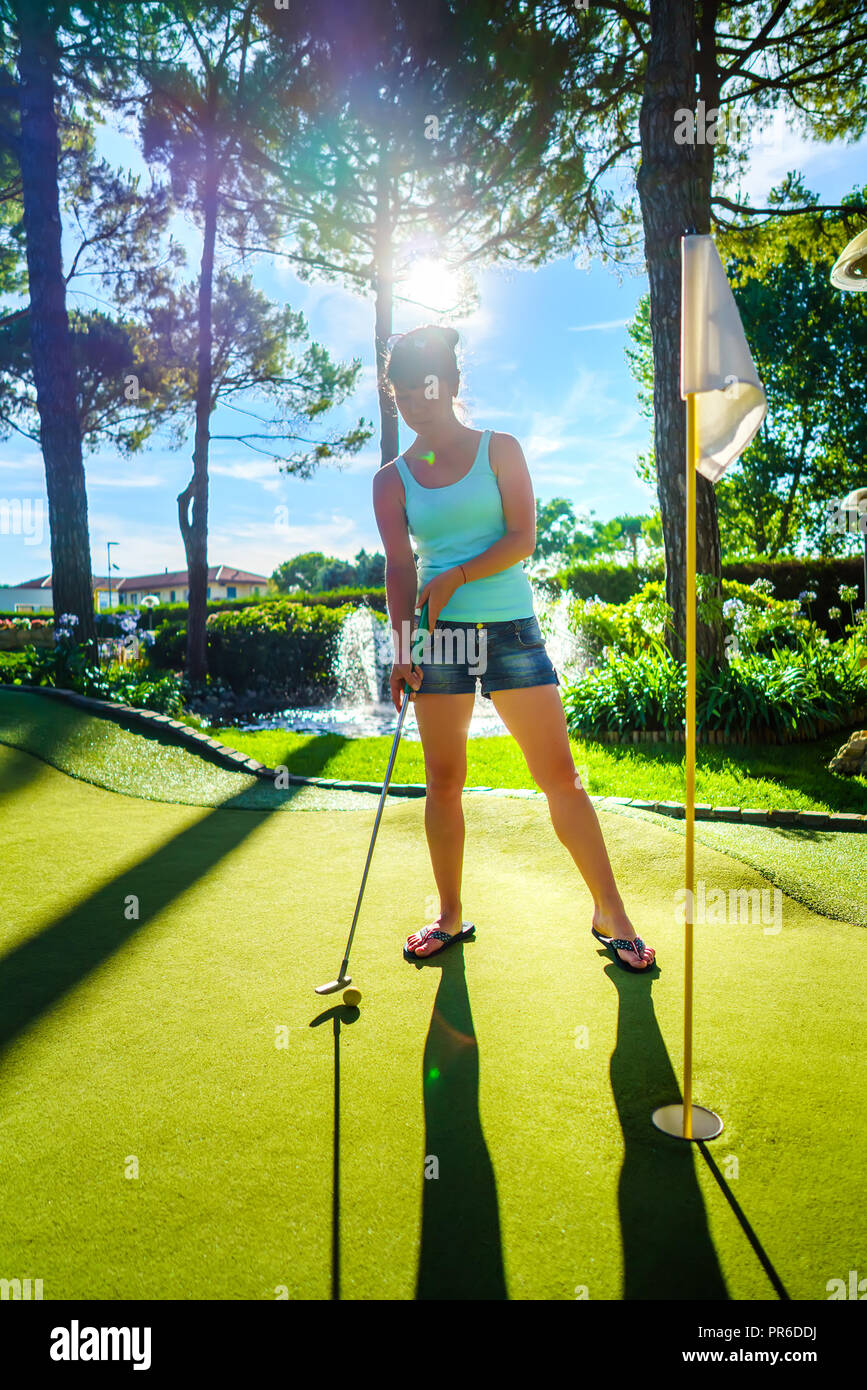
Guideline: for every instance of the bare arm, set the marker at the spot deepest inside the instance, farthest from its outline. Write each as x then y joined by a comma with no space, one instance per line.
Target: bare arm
400,576
519,510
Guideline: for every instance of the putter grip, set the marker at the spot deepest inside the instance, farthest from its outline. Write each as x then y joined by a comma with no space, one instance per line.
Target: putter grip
422,627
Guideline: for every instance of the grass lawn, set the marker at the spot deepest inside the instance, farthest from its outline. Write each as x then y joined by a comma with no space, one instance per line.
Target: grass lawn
765,776
168,1075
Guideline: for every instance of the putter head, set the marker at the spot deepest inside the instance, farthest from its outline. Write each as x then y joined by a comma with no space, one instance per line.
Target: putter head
334,985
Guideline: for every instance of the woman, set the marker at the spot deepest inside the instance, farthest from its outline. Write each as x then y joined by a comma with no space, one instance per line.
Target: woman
466,498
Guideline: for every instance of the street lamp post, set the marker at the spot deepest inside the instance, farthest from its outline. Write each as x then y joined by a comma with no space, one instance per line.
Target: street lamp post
108,546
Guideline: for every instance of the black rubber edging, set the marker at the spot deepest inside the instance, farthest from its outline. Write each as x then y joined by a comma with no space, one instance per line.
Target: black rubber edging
235,761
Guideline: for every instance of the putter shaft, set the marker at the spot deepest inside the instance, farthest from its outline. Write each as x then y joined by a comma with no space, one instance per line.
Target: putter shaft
342,977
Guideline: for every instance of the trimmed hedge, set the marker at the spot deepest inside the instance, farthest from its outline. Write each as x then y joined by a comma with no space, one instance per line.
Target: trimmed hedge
612,583
289,647
792,577
619,583
327,598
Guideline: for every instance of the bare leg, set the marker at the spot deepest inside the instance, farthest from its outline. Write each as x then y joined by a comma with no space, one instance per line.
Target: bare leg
443,722
535,718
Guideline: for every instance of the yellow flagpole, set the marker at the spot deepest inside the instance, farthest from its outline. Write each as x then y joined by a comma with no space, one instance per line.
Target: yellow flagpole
688,1121
689,741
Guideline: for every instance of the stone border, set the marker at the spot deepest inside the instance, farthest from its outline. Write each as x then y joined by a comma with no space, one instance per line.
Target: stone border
235,761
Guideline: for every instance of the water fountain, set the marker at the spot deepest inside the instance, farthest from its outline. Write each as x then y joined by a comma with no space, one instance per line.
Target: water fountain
361,706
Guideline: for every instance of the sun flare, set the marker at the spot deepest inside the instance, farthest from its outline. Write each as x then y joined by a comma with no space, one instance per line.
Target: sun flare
431,284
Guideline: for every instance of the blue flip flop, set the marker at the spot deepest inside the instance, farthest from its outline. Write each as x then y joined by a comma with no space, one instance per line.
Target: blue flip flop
637,946
465,935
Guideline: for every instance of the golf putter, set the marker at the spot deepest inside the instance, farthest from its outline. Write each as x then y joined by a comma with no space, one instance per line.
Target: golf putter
342,978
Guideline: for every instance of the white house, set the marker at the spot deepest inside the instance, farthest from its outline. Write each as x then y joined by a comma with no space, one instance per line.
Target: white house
172,586
34,595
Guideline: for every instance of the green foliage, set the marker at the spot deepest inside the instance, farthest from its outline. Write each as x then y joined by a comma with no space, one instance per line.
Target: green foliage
14,667
315,571
67,667
560,533
169,647
609,582
125,389
175,614
789,578
281,646
744,698
783,672
637,626
807,341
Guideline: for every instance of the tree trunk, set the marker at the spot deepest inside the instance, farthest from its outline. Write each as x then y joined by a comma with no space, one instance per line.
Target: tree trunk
674,190
194,528
383,272
51,341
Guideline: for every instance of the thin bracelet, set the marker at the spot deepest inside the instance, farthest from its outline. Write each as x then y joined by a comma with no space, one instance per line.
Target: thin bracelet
464,573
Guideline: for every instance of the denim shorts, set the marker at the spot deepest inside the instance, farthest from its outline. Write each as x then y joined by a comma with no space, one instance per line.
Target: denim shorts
503,656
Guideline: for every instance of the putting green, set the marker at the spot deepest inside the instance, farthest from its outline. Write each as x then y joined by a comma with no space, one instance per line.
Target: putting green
145,765
168,1075
822,869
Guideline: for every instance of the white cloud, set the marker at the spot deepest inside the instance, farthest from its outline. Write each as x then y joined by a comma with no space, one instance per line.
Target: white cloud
592,327
776,148
261,546
134,480
264,471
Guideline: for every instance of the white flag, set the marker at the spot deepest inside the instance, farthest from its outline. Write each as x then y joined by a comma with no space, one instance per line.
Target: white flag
715,361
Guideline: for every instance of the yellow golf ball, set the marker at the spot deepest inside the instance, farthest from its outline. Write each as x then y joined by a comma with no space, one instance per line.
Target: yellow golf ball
352,996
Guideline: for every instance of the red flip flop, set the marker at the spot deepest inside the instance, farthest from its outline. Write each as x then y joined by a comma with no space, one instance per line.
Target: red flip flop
465,935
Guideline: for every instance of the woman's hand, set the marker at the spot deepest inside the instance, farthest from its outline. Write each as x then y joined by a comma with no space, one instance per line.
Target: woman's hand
437,592
413,674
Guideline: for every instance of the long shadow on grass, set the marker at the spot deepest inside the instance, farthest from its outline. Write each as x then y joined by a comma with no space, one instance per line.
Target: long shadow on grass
40,971
38,731
667,1248
758,1248
310,758
461,1252
340,1013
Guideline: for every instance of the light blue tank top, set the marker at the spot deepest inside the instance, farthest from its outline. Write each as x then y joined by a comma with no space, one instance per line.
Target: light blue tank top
453,524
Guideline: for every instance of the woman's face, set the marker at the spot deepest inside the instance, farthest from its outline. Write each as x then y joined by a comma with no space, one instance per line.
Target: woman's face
422,407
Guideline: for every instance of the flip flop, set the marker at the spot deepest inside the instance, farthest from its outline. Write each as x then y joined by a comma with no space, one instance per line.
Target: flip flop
622,944
465,935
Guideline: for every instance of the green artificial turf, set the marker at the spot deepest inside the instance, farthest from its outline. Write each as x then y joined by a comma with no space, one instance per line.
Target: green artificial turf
96,749
826,870
168,1075
141,764
795,777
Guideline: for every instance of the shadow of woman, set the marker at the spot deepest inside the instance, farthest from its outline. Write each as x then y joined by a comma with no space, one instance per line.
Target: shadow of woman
668,1252
461,1253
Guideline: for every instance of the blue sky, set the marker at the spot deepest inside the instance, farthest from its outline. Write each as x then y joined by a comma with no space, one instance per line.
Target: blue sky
543,359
